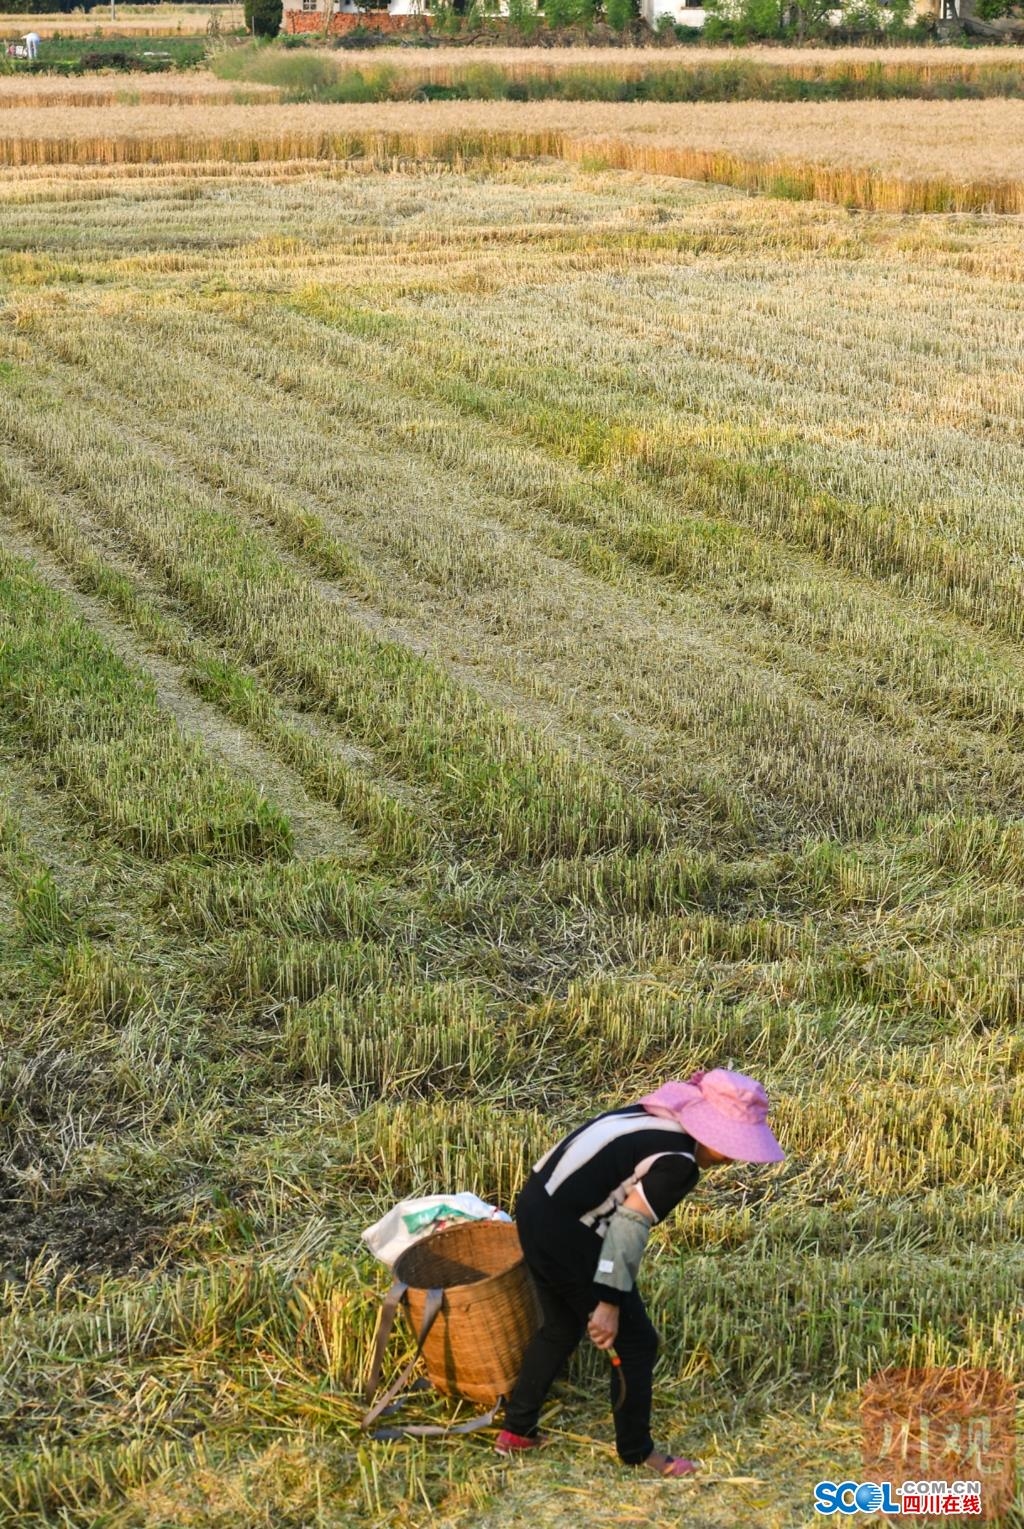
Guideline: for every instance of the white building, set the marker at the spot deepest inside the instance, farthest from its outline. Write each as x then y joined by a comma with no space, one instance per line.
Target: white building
682,12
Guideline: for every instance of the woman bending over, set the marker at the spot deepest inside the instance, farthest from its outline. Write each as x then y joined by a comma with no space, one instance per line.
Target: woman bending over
584,1217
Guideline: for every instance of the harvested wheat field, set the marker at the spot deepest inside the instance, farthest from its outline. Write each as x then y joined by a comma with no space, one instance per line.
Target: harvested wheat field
127,21
474,645
102,89
889,155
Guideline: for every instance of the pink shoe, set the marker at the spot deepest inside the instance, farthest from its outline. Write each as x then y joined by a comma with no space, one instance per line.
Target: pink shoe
514,1443
670,1465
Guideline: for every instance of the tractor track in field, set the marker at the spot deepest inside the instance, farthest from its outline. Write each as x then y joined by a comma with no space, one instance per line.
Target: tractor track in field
102,541
318,830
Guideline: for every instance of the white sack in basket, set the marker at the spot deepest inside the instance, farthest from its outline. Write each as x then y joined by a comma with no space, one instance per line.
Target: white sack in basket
407,1222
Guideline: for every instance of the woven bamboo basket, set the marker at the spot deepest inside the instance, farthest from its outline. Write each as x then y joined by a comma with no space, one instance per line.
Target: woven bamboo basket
489,1312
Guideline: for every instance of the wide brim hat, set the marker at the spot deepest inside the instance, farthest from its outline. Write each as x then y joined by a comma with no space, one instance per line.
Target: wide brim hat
723,1110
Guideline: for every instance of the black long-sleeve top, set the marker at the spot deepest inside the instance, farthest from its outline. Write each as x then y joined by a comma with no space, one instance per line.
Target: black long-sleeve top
589,1174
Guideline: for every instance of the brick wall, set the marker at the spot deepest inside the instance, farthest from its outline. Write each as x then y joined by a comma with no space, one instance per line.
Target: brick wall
347,21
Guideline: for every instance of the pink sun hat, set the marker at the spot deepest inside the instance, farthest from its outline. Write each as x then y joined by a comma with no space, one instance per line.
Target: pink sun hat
726,1111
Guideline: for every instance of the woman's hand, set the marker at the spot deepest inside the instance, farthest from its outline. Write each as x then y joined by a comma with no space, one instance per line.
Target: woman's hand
603,1327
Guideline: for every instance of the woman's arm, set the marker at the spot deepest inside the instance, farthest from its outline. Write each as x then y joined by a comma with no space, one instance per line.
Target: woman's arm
603,1327
617,1266
666,1182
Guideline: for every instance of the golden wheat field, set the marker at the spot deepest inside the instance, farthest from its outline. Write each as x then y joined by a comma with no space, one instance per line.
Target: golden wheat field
196,87
668,74
103,89
479,636
446,66
886,155
127,20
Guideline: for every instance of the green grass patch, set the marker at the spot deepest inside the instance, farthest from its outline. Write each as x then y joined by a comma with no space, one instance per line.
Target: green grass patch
106,741
317,74
130,55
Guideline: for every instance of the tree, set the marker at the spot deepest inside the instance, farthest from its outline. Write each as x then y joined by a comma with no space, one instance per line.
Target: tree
567,13
523,18
263,17
744,20
810,18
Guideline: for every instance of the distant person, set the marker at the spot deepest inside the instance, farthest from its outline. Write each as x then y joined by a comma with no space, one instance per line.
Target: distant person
31,41
584,1217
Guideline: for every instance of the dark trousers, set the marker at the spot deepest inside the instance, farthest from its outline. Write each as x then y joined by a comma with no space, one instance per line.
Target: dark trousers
563,1286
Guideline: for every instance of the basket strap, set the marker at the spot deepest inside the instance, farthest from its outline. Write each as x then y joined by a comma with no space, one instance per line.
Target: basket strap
387,1322
439,1430
431,1306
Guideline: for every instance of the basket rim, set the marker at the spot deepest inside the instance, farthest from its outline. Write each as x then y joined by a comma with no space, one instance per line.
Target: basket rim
436,1237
